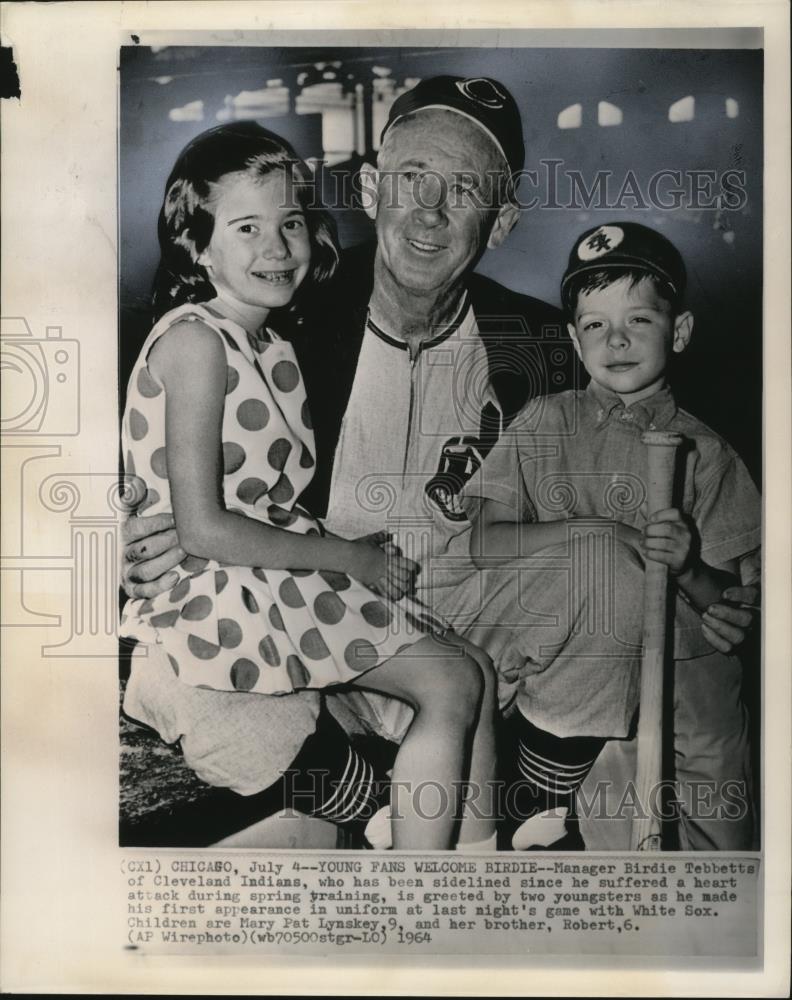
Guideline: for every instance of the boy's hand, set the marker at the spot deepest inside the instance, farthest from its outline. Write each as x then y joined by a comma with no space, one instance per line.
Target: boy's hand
668,538
151,550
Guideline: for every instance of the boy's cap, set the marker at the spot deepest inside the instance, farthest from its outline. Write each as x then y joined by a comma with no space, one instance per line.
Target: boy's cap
483,101
625,244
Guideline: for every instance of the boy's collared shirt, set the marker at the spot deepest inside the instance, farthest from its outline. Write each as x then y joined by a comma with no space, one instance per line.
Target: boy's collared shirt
579,454
653,413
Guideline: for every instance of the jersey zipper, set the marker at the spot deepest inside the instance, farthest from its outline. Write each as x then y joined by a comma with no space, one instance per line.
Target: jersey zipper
408,442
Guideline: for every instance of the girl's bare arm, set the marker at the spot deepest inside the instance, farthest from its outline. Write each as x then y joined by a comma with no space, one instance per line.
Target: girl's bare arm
190,362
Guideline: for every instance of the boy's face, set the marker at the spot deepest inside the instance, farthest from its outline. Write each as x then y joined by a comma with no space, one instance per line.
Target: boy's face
625,335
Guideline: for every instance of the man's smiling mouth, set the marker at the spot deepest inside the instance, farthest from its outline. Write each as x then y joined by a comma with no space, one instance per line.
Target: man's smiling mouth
427,248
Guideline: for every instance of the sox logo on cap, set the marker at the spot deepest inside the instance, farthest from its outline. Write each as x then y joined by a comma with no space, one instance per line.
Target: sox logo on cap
600,242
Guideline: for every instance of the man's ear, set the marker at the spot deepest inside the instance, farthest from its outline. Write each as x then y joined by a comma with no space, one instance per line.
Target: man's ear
574,338
683,331
505,221
369,190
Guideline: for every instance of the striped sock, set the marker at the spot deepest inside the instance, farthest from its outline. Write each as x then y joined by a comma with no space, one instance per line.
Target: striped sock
332,780
543,771
345,798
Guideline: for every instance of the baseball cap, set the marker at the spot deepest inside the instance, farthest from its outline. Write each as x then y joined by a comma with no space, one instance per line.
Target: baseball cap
625,244
483,101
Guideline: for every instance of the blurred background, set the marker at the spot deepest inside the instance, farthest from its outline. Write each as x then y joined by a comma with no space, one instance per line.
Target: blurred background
628,112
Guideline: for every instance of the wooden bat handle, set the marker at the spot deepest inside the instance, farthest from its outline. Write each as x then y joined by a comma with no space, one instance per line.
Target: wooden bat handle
661,452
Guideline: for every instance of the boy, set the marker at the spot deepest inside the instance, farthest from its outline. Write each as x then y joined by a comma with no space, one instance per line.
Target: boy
565,487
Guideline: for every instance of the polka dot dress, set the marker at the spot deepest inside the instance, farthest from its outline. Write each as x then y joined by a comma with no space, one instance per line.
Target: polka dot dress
248,629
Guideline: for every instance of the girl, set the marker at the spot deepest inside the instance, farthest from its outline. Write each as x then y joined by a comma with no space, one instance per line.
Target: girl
217,427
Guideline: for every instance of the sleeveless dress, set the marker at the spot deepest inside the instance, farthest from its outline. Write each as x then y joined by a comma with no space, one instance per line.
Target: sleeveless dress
234,628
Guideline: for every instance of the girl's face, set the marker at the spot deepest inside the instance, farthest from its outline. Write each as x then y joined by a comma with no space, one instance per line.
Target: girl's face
260,248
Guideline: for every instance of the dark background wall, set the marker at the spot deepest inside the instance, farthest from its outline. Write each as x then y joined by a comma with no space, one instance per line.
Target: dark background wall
720,377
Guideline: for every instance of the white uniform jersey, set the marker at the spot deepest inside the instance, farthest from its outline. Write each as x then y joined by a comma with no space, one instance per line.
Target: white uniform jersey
415,430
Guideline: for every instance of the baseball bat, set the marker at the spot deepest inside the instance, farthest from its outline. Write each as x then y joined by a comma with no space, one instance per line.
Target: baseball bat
646,830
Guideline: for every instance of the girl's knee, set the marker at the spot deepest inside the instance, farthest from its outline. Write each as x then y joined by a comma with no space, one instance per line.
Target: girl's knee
490,679
455,687
489,676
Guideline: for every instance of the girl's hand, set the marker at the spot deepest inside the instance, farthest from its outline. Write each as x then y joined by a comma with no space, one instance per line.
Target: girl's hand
401,574
387,572
668,538
382,538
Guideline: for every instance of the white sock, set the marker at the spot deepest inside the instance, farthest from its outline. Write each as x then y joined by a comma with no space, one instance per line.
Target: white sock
541,829
378,830
478,846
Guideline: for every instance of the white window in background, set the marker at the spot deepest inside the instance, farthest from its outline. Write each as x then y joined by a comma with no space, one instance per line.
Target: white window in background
192,112
338,117
608,114
271,101
571,117
732,108
683,110
360,120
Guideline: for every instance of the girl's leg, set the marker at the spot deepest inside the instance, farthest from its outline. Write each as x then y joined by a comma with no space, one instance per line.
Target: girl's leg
480,809
444,685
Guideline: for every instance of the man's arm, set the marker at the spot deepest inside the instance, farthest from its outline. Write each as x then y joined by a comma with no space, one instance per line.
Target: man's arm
727,622
151,550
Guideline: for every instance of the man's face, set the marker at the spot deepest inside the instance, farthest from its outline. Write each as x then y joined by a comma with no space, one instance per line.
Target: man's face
436,200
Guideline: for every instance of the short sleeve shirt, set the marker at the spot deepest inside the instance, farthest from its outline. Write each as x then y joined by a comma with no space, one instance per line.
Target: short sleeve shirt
579,454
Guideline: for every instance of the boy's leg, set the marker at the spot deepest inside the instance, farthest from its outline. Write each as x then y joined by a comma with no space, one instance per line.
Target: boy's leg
577,656
712,756
712,762
603,803
576,647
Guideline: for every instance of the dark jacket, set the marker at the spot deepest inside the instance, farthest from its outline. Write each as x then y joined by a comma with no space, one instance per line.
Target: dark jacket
528,350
